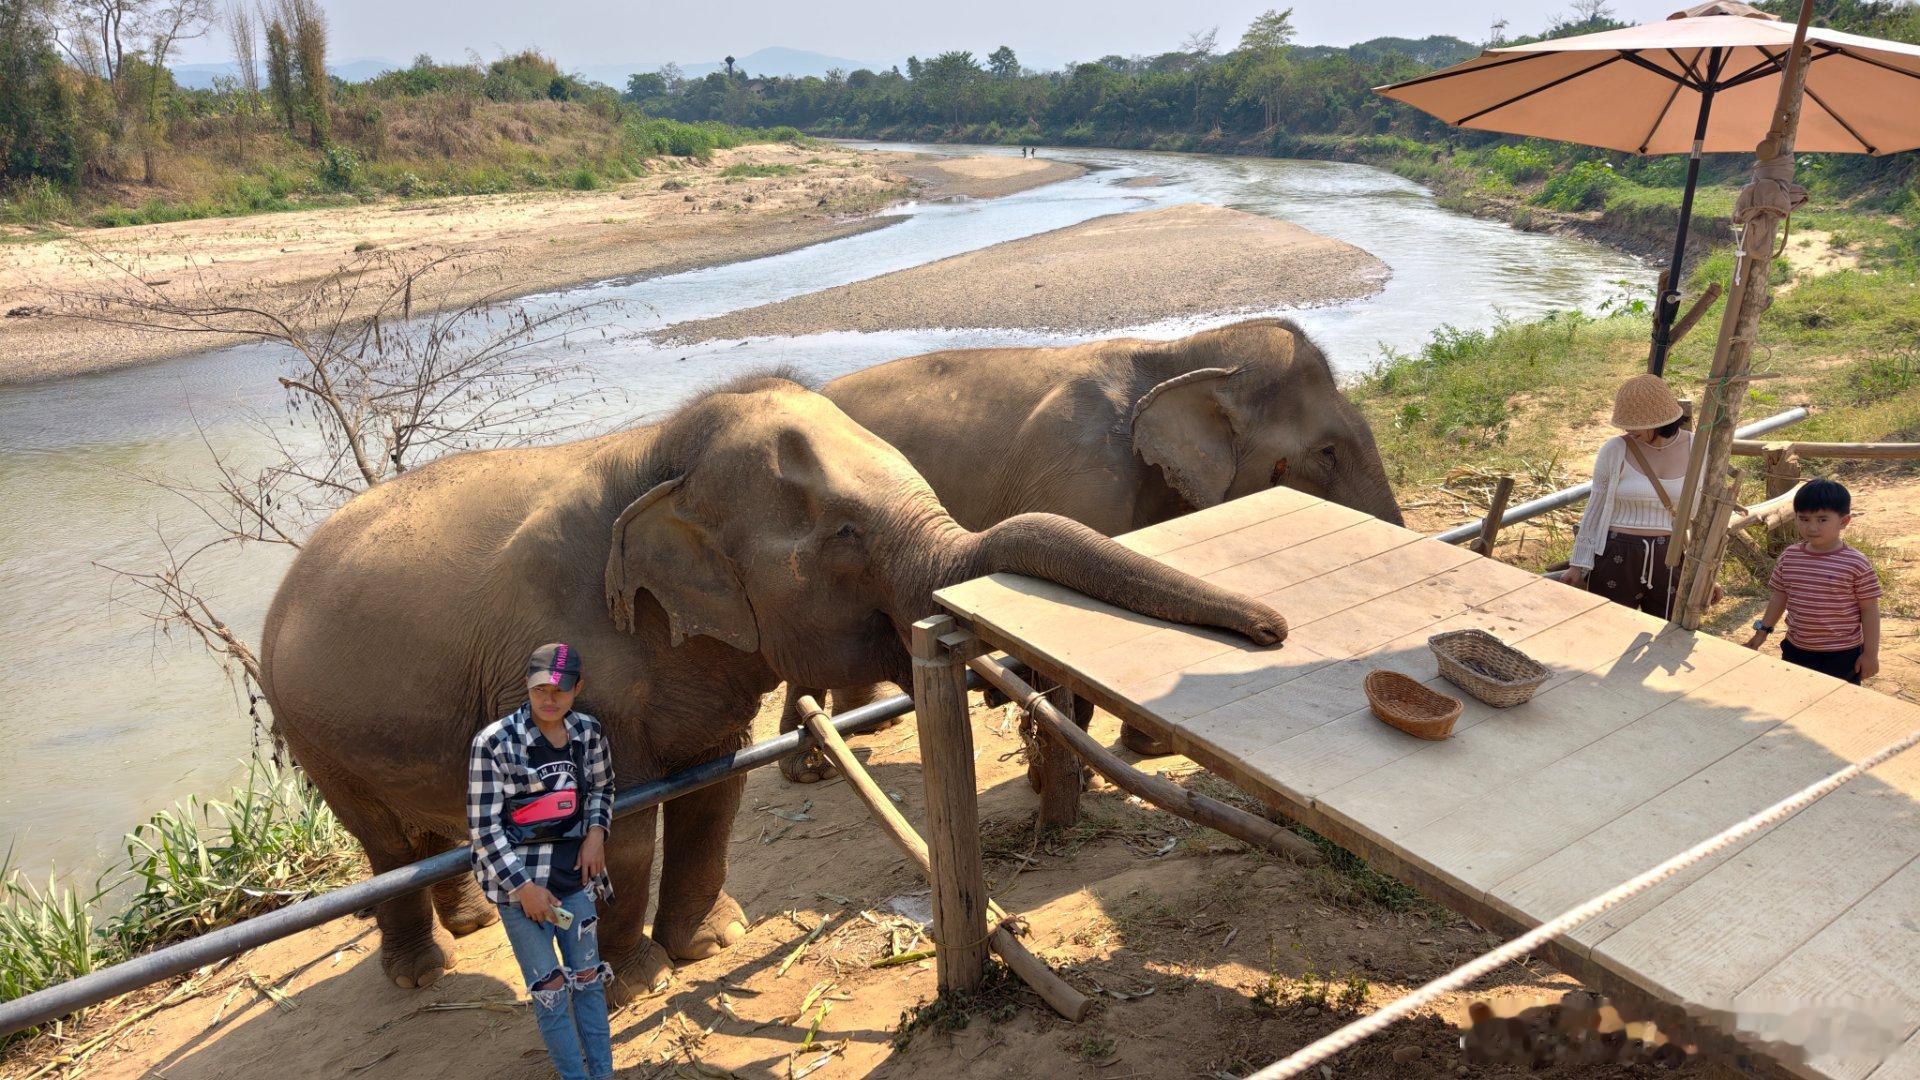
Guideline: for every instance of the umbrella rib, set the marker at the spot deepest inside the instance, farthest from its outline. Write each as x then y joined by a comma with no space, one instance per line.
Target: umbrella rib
1542,88
1633,57
1451,72
1851,55
1658,120
1772,66
1841,120
1691,66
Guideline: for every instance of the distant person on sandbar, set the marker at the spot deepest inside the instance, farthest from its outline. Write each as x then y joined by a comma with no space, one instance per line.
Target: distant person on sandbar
1620,551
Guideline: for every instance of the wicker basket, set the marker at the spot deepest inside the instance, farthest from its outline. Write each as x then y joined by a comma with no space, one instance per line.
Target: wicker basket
1410,705
1486,667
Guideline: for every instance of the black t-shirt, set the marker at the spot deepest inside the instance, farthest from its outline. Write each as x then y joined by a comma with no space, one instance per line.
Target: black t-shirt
556,768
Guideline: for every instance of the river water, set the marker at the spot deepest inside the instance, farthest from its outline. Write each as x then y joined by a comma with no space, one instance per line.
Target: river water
104,722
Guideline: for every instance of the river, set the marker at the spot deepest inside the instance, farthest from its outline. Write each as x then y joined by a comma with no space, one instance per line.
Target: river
105,722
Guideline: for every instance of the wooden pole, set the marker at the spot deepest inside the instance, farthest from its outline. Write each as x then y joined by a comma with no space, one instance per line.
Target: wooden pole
1766,449
1700,530
1157,790
1490,525
1033,971
953,809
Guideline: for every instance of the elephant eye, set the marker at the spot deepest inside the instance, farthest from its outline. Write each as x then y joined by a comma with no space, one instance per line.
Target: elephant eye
846,532
1326,453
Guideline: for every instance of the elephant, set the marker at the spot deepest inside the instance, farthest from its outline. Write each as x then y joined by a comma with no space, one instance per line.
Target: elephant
755,535
1117,435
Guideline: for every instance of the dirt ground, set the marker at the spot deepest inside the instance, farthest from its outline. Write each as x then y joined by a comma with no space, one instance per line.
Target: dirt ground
1206,960
680,218
1114,271
985,176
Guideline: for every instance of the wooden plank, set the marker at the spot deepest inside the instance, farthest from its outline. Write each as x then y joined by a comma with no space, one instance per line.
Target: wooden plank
1713,938
1492,838
1902,1064
1785,759
1412,607
1255,541
1854,987
1288,566
1157,540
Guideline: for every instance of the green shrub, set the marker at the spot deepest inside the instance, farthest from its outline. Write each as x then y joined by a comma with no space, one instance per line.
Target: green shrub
746,169
339,168
36,201
1518,163
584,179
1585,186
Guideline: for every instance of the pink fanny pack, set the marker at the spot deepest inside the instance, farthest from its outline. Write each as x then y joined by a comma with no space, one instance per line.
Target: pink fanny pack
552,808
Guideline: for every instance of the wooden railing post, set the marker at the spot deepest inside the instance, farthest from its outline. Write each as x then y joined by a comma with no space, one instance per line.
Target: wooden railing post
1490,525
953,811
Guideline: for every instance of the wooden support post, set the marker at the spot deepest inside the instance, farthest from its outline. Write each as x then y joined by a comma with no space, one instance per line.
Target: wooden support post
1490,525
953,810
1053,768
1782,474
1701,520
1065,1000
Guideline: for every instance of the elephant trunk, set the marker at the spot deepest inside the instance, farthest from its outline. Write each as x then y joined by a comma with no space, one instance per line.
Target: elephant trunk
1374,495
1062,550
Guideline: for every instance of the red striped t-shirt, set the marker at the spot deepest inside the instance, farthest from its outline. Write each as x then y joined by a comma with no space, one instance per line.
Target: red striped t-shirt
1824,590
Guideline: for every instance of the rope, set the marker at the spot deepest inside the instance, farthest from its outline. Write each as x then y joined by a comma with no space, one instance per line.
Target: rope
1368,1026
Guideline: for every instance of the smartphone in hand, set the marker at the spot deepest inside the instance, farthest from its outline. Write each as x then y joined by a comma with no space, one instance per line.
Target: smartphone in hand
560,917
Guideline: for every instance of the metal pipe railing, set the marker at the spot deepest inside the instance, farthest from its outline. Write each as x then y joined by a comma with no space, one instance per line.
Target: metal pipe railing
91,989
1545,504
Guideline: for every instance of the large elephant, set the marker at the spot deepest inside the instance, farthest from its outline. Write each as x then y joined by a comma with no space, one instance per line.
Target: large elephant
756,535
1117,435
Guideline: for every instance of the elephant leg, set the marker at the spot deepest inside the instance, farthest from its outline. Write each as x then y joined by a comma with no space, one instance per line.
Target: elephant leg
697,918
640,966
848,698
414,950
462,907
1142,743
1040,765
809,766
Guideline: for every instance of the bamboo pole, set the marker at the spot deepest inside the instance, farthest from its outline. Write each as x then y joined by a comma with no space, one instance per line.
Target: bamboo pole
1490,525
1033,971
1157,790
1704,525
1765,448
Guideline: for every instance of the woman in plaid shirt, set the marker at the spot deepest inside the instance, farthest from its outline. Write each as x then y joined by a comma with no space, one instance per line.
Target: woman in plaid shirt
545,887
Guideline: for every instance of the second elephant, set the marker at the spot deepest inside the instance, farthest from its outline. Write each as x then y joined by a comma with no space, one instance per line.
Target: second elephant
1117,434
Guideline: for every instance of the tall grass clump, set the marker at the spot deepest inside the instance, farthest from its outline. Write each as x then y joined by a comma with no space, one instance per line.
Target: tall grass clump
201,865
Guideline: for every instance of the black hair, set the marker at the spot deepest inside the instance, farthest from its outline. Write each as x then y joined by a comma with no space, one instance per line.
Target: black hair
1823,494
1668,431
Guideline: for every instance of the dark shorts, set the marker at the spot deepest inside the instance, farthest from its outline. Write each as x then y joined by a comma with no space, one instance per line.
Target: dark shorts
1838,663
1633,570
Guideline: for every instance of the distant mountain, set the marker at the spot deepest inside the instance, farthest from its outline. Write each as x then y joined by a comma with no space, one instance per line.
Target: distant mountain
201,76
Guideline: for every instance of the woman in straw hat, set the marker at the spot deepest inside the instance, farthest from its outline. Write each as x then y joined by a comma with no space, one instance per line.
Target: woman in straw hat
1621,549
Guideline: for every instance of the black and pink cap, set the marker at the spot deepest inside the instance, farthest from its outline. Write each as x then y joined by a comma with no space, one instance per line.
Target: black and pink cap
557,664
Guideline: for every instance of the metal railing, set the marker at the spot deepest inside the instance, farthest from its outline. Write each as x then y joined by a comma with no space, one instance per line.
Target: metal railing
129,975
1546,504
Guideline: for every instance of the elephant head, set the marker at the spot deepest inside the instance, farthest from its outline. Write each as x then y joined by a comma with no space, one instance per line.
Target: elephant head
1258,407
782,527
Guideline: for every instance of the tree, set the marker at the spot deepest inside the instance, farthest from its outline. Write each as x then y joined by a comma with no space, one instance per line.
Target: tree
37,113
644,86
307,33
167,24
1201,45
1002,63
280,85
1270,31
729,67
243,34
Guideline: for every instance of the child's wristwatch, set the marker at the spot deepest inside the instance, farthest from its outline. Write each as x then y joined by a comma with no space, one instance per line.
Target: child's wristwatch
1761,625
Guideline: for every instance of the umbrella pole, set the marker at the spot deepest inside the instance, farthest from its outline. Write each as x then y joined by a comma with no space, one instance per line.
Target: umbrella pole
1667,308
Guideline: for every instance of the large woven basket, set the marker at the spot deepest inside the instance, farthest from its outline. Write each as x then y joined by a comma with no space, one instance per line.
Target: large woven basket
1410,705
1486,667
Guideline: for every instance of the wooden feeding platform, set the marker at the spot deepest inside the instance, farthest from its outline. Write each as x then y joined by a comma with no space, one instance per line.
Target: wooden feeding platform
1644,740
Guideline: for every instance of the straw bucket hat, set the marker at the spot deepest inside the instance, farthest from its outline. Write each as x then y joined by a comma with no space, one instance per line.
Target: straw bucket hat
1644,402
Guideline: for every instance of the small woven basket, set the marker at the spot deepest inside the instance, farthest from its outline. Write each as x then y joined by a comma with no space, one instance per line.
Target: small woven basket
1486,667
1410,705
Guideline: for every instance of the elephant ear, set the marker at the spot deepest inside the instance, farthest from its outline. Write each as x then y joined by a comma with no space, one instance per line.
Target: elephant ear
657,547
1182,427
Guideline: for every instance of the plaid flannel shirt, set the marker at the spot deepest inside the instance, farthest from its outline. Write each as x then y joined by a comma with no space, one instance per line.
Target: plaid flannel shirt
497,770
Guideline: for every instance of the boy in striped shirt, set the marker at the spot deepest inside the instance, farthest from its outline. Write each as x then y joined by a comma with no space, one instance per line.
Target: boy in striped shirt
1827,590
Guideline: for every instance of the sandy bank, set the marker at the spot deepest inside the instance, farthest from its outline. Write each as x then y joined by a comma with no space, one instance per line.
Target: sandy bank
679,218
1111,272
987,176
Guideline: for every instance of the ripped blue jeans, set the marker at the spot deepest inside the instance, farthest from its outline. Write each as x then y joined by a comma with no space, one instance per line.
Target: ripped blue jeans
570,991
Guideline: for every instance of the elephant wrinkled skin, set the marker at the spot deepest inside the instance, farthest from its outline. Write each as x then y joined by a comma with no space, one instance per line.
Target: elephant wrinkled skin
757,535
1117,435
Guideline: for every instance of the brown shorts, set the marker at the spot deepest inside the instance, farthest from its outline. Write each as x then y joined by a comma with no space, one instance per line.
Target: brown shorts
1633,571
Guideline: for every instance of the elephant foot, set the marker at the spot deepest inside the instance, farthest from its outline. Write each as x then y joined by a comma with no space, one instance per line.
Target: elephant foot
722,925
1141,743
810,766
419,966
462,907
642,972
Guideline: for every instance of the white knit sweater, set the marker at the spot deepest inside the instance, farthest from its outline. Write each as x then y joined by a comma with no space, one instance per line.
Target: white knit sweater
1598,518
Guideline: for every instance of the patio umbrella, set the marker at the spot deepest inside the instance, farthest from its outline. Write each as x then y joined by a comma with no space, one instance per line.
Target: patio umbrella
1703,81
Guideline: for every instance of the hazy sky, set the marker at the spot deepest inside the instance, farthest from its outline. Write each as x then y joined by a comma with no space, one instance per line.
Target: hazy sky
1043,32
